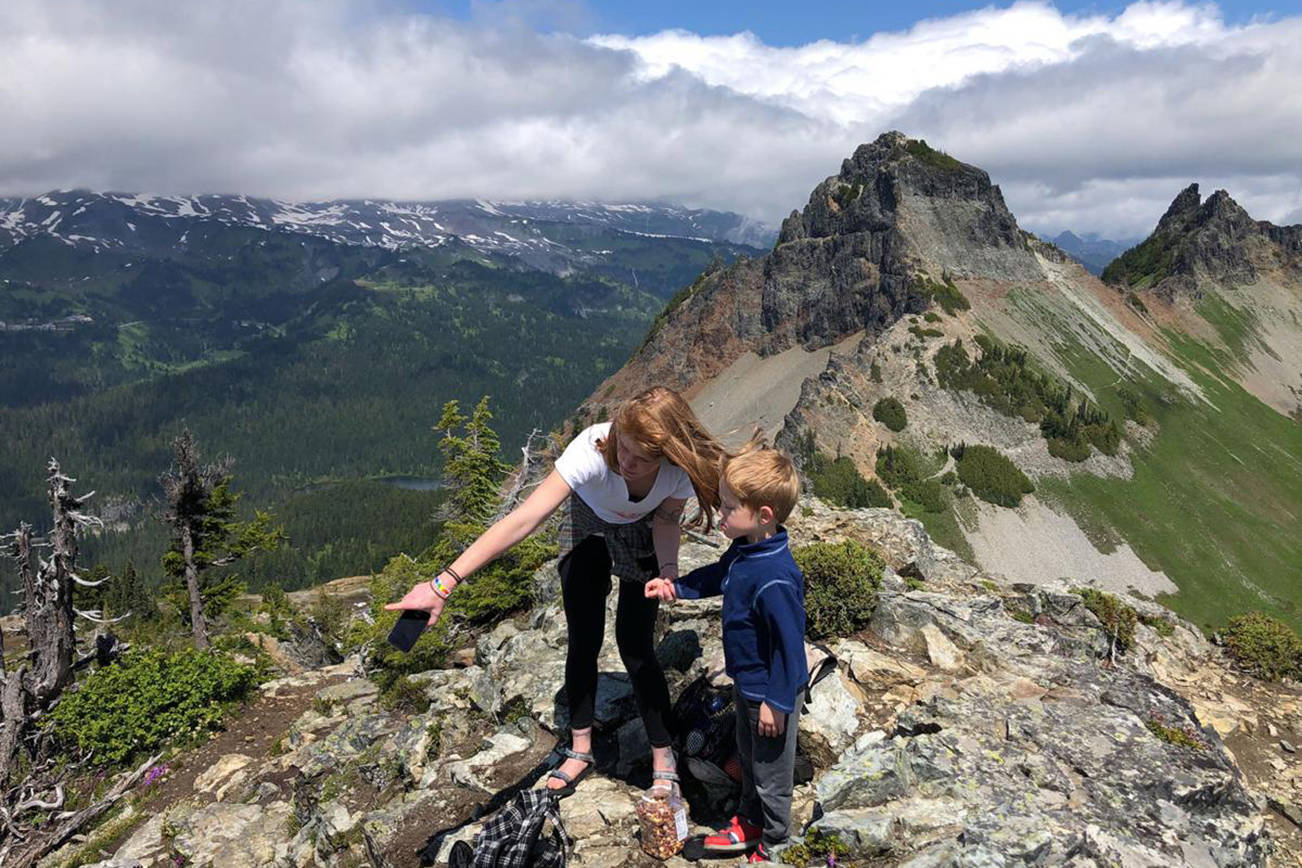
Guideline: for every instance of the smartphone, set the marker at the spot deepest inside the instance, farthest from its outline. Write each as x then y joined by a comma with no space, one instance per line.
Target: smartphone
411,623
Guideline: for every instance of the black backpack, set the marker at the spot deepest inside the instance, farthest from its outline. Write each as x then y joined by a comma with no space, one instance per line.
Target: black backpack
513,837
707,729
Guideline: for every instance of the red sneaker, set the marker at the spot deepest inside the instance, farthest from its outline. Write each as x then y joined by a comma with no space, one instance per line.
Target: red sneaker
736,837
758,855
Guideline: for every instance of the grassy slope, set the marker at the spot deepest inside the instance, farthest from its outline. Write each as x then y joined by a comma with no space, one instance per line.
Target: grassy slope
1216,500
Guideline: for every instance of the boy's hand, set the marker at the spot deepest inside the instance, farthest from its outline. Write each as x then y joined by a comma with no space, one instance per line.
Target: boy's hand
772,723
661,589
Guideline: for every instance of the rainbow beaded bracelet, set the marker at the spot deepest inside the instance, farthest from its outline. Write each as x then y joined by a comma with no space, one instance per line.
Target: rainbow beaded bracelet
441,590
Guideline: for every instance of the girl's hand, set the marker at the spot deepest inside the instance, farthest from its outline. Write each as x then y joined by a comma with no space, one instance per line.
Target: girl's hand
772,723
422,596
661,589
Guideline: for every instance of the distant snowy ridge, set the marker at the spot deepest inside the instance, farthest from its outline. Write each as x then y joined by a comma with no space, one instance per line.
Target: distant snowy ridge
546,234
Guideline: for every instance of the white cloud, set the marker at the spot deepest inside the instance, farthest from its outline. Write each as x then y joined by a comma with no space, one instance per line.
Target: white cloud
1090,123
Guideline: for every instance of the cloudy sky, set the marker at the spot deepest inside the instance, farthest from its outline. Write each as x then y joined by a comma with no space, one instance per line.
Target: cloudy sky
1091,117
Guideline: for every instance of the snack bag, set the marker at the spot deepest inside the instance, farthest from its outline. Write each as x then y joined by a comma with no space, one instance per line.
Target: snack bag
662,814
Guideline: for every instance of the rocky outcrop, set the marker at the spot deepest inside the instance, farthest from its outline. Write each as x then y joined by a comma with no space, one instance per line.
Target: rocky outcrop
1215,241
972,723
847,263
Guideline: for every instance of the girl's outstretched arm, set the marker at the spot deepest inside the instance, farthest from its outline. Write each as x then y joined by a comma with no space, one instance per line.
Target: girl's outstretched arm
518,524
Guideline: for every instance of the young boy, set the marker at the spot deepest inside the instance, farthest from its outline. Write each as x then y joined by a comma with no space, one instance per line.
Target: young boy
763,640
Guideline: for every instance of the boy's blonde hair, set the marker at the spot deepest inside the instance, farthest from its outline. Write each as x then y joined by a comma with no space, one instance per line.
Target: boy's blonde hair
762,476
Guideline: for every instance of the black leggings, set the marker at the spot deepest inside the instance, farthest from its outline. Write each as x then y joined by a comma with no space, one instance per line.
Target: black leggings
585,584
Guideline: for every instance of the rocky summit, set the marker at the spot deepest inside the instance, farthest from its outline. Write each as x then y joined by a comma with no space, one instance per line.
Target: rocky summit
1215,241
848,263
971,723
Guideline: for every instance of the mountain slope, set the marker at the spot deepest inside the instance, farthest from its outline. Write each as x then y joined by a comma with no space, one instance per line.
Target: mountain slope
314,352
1234,282
905,277
553,236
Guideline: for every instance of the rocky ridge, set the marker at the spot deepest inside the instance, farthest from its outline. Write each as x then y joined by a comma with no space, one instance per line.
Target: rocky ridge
1215,241
848,263
907,250
972,723
554,236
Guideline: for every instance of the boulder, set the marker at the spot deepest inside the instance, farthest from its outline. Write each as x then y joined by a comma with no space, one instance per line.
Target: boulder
228,773
227,835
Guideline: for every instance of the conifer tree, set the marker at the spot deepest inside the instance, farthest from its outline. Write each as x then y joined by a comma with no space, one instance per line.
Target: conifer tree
473,475
472,471
200,509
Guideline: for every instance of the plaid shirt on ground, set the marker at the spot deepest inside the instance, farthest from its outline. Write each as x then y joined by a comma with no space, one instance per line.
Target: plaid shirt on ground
632,553
513,839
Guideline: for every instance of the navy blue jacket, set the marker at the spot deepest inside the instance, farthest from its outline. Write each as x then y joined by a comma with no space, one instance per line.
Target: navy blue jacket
763,617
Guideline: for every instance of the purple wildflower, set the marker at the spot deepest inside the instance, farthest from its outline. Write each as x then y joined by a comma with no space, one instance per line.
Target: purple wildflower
155,774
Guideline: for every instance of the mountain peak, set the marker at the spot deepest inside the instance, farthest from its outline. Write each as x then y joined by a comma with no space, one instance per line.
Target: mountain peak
1198,240
928,199
1183,208
856,258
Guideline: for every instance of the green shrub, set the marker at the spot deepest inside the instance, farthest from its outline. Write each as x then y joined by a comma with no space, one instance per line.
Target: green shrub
931,316
405,695
1003,378
1146,264
875,372
890,412
992,476
330,613
121,712
1117,618
1134,405
1076,449
500,589
926,154
1264,646
1181,736
837,480
947,295
813,849
1162,626
924,333
841,582
902,468
847,193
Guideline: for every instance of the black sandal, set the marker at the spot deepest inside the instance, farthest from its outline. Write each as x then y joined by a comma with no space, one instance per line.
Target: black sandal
570,782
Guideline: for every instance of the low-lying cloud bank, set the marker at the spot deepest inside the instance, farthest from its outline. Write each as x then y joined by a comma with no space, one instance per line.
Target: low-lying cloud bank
1088,122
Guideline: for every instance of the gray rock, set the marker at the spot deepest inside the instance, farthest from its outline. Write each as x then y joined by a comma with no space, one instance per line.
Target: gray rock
940,651
467,772
225,835
831,720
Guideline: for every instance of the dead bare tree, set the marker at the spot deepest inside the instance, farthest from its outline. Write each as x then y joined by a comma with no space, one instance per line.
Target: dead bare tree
24,847
536,454
33,686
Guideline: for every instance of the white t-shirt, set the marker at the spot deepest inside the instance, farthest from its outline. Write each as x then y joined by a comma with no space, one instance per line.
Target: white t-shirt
584,468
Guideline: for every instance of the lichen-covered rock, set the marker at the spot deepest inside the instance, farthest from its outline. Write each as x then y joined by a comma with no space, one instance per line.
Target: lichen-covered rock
831,720
232,836
951,733
226,775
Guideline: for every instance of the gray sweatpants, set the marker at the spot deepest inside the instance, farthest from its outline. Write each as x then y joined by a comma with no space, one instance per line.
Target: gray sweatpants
767,769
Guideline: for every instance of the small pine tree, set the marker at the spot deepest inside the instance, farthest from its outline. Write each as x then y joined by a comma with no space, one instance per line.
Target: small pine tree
200,509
